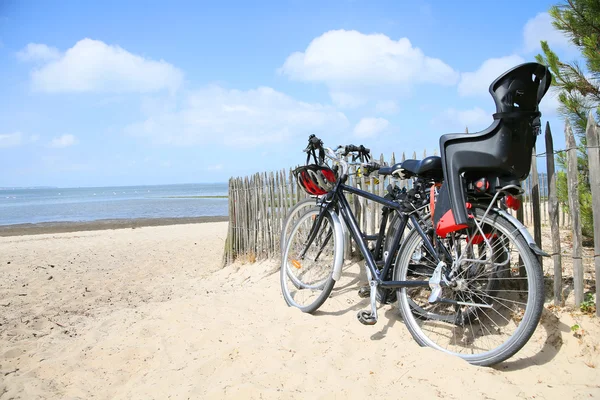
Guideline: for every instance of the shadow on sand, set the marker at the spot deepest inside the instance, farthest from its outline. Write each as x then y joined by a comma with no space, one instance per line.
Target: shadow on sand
554,328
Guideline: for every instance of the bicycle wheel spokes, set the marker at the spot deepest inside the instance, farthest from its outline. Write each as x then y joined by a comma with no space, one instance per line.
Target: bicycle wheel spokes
490,310
307,278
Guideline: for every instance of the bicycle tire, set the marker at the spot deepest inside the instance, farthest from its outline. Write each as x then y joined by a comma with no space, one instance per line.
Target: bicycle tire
326,285
295,211
528,321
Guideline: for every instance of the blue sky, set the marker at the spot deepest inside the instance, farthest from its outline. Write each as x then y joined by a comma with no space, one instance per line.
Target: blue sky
149,92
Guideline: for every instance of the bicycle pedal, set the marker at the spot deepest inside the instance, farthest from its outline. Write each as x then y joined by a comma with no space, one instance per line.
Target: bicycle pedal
364,292
366,317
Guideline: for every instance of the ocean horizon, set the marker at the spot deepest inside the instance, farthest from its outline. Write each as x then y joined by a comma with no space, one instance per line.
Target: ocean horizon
82,204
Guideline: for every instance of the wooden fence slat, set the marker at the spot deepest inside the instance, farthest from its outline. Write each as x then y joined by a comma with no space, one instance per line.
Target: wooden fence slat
273,213
545,194
372,205
245,210
573,192
381,191
290,178
251,215
259,218
228,253
238,218
553,213
265,218
403,181
348,240
593,151
364,205
356,199
535,204
265,206
288,195
282,201
277,207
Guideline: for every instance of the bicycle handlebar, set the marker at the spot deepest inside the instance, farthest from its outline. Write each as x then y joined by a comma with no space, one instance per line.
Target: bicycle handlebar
361,150
314,144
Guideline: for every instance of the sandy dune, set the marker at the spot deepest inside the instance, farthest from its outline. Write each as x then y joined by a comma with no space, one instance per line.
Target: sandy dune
147,313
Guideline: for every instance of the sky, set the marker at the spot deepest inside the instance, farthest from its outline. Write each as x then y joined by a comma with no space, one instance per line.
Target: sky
155,92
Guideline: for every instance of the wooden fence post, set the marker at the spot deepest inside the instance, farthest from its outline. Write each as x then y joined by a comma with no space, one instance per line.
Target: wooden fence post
553,213
593,141
573,191
227,254
535,203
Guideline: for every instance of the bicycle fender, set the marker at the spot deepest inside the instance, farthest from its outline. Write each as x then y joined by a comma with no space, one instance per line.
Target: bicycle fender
339,231
523,230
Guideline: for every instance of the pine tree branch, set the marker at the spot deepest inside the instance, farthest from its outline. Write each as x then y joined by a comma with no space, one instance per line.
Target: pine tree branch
584,18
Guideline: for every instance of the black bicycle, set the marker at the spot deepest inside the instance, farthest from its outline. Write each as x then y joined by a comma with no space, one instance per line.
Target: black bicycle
423,191
469,283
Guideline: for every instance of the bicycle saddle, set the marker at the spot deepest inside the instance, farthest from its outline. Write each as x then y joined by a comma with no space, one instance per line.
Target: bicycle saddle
428,168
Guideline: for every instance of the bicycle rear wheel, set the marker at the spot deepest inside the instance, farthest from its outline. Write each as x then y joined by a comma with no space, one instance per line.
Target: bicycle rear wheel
307,268
494,298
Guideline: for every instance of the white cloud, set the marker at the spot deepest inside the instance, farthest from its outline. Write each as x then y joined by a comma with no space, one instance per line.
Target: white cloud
38,52
540,28
477,83
365,65
238,118
11,139
369,127
452,119
16,139
386,107
94,66
63,141
549,104
215,167
346,100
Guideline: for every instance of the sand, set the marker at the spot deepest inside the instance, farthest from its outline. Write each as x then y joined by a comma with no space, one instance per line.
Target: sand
149,313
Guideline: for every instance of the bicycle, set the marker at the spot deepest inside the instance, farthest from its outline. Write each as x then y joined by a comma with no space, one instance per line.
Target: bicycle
389,222
473,274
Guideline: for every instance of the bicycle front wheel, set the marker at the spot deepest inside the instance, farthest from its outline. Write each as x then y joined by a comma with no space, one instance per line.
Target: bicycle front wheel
295,212
492,302
307,267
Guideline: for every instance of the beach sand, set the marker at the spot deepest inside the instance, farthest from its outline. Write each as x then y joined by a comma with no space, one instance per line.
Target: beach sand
149,313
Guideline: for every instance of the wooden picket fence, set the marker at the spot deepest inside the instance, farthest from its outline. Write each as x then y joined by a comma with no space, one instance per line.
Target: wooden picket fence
258,205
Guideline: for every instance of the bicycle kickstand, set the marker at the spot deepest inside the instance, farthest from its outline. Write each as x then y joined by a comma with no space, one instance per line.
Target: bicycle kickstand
367,317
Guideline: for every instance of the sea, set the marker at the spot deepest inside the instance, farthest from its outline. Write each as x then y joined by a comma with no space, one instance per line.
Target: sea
36,205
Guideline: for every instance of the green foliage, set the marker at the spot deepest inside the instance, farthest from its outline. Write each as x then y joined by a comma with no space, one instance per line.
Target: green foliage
588,306
578,88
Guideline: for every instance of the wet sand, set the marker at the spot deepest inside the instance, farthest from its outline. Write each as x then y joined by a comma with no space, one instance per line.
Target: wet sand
66,227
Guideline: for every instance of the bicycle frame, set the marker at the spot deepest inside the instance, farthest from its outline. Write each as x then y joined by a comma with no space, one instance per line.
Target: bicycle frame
360,239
